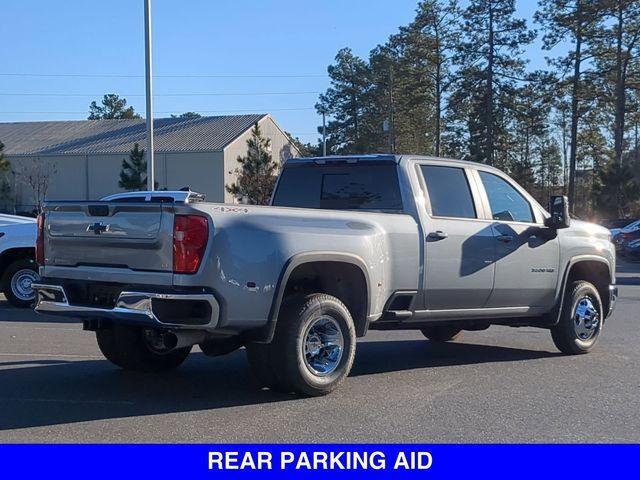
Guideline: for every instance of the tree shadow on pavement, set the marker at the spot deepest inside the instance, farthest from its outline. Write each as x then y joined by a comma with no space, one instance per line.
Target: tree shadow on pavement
79,391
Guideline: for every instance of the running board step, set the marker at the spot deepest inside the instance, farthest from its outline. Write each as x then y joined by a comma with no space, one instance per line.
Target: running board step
398,314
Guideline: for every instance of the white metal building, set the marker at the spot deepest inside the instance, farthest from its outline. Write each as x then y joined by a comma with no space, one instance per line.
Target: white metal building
87,155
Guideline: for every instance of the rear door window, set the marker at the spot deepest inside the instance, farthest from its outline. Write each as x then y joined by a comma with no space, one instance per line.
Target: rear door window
449,192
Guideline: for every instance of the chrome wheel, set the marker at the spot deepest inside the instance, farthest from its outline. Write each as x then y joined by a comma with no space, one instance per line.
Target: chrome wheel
323,345
21,284
586,319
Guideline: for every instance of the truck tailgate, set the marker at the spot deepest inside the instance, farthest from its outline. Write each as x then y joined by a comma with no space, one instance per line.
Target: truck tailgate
136,236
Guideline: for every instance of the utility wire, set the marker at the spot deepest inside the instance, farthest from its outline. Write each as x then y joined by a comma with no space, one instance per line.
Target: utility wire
203,94
169,111
109,75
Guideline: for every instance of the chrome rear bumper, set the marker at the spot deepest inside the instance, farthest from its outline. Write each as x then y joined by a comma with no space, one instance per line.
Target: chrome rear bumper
130,307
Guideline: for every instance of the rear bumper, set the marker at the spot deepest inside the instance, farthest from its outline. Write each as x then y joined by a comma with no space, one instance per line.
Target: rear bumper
142,308
613,296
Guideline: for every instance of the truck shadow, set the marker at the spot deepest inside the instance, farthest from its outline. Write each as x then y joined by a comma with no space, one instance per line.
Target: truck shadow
9,313
392,356
35,393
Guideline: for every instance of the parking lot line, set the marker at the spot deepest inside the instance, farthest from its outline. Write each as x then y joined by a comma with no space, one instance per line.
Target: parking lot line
66,400
47,355
29,327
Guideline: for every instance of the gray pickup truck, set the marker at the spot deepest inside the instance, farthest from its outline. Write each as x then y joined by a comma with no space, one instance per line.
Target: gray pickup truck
348,244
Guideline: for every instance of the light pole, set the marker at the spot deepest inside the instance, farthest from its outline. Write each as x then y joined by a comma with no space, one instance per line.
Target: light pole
324,134
149,95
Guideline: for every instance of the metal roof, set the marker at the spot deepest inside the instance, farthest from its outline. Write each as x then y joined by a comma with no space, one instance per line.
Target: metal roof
119,136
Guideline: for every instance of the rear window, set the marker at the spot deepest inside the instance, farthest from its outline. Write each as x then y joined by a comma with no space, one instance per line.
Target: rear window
361,186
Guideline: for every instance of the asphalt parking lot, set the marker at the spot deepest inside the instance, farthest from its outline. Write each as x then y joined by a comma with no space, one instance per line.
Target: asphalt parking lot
499,385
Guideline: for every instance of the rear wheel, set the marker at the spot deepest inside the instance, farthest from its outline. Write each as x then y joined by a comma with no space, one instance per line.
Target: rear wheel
442,333
134,348
17,280
312,350
580,321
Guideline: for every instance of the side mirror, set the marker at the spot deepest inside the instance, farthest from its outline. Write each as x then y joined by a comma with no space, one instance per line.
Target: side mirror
559,210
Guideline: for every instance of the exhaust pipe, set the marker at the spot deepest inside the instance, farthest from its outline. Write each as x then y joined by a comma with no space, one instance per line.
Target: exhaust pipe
173,340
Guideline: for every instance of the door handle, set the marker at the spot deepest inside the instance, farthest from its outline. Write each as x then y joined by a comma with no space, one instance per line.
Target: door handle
505,238
438,235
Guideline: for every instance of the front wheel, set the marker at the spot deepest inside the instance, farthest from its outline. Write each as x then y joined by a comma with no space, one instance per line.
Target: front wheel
133,348
17,280
580,321
313,348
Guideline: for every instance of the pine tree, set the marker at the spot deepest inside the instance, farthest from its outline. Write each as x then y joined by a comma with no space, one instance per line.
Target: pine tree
593,157
617,51
344,103
380,100
578,21
399,105
5,168
306,149
530,114
549,169
133,176
618,190
490,58
189,115
5,165
438,21
632,125
257,174
113,107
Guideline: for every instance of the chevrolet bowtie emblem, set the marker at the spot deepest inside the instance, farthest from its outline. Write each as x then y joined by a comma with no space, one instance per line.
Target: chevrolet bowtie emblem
98,228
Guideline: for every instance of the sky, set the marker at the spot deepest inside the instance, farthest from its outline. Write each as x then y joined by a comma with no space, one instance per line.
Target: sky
214,57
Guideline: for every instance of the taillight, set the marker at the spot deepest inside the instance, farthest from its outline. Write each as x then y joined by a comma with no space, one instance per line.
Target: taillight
190,235
40,241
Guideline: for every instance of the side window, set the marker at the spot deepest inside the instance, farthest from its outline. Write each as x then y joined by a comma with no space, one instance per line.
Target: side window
449,192
506,202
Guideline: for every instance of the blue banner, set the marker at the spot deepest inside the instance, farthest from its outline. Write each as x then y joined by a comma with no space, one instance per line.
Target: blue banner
322,461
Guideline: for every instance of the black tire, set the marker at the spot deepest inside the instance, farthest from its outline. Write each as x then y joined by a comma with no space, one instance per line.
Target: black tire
442,333
565,334
126,347
286,354
13,292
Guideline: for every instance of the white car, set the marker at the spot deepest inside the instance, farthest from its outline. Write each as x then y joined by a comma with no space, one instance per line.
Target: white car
18,269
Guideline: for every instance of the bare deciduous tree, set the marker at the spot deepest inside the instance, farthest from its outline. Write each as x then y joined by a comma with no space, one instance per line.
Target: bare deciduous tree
37,176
